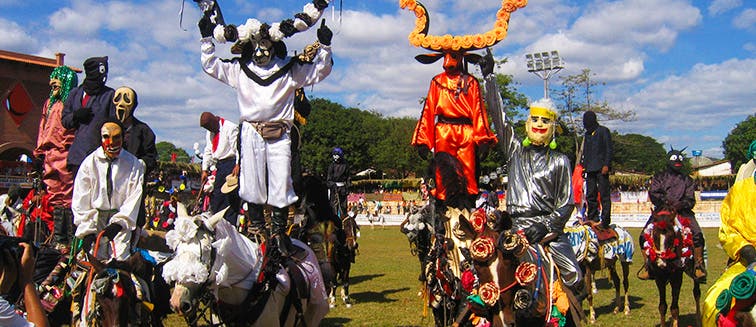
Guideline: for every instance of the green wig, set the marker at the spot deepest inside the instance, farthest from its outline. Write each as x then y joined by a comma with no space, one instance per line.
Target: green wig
751,150
68,80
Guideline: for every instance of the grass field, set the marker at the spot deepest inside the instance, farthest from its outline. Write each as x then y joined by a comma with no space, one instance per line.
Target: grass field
384,287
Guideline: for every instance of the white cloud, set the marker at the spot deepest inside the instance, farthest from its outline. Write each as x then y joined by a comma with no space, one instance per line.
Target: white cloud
721,6
694,107
15,37
746,20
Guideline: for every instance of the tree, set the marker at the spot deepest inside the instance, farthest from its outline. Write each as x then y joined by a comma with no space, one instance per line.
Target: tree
578,96
638,153
737,141
166,149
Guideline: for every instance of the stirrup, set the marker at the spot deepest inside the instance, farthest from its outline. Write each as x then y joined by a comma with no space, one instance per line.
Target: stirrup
643,273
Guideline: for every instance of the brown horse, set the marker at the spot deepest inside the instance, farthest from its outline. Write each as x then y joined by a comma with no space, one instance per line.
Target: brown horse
667,244
332,238
116,293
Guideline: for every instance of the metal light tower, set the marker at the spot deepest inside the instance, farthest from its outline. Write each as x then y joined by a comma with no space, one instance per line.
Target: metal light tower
545,65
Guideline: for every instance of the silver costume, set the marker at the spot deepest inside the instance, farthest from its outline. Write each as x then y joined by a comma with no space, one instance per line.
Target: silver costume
539,191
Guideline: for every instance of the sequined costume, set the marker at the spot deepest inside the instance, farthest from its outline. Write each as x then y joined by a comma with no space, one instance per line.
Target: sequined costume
540,191
454,121
736,231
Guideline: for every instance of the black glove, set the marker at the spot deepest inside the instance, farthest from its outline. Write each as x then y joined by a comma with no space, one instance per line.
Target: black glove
324,34
536,232
87,242
111,231
487,64
83,115
483,150
206,27
747,255
423,151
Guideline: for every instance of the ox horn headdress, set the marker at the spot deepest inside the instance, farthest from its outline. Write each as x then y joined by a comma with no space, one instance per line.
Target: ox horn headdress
253,29
447,43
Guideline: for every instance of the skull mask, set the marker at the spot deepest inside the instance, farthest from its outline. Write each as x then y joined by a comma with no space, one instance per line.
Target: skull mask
125,101
111,135
263,52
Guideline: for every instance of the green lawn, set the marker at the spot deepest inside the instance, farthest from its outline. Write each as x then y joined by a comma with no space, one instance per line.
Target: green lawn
385,287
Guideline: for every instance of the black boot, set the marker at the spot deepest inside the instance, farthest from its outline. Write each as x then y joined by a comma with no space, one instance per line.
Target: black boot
278,224
256,220
62,227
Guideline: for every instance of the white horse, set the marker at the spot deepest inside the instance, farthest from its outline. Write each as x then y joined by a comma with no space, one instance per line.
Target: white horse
211,255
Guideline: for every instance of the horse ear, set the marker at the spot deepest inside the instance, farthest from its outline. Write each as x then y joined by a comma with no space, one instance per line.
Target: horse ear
181,210
210,223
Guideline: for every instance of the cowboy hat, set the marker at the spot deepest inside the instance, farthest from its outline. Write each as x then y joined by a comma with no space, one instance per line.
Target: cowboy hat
232,182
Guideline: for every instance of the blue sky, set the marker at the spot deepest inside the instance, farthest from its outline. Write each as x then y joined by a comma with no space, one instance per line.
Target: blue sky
687,68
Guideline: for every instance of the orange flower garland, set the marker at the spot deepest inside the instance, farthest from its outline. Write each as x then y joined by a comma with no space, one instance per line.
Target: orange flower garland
419,38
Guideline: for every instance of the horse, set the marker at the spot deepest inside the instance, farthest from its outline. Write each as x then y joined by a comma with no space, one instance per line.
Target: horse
418,227
332,236
594,255
114,293
668,245
212,257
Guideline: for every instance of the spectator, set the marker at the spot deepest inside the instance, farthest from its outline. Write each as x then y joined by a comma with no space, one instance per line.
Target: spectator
221,152
35,314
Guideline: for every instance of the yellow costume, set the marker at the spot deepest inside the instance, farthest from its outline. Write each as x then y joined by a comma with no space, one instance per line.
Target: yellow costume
735,232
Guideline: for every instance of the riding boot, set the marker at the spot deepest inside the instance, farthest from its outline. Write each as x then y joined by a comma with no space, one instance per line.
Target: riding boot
643,273
700,266
278,224
256,220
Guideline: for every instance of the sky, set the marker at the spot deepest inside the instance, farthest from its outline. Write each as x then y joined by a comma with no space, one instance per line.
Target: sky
687,68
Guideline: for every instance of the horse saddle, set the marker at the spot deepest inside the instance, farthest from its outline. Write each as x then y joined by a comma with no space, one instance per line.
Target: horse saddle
603,234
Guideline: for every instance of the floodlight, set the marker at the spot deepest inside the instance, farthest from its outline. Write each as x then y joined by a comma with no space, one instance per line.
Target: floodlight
544,64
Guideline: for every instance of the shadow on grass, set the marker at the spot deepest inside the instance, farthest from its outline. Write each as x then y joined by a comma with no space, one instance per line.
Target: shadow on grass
354,280
608,308
376,297
335,321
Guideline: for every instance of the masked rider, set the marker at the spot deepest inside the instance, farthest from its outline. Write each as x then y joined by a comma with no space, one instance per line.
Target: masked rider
539,192
338,182
53,143
674,188
265,80
107,194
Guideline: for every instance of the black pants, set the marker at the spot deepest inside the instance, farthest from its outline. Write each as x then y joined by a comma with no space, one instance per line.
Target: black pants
598,183
220,200
339,201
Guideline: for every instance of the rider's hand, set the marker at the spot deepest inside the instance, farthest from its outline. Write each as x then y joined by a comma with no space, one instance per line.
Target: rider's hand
206,27
423,151
604,170
87,242
487,64
747,255
324,34
235,171
111,231
536,232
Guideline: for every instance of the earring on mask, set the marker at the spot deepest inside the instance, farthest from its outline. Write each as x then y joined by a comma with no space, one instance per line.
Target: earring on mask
553,144
526,142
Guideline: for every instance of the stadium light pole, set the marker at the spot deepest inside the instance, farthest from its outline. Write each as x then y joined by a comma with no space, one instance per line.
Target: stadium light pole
545,65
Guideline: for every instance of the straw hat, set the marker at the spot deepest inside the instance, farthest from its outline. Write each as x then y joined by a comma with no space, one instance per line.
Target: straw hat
232,182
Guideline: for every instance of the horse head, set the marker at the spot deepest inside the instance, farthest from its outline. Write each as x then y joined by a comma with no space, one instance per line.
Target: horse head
209,253
116,290
664,242
191,240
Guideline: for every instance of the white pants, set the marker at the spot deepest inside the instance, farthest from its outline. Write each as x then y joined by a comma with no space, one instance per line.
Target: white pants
265,160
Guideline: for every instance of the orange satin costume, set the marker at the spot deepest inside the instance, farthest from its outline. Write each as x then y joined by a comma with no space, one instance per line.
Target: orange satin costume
454,121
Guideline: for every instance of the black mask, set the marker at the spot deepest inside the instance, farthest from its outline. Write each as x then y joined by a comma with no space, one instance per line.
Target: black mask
675,158
589,121
96,70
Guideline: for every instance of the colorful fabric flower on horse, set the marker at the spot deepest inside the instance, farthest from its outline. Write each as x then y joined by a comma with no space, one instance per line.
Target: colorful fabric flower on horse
684,242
